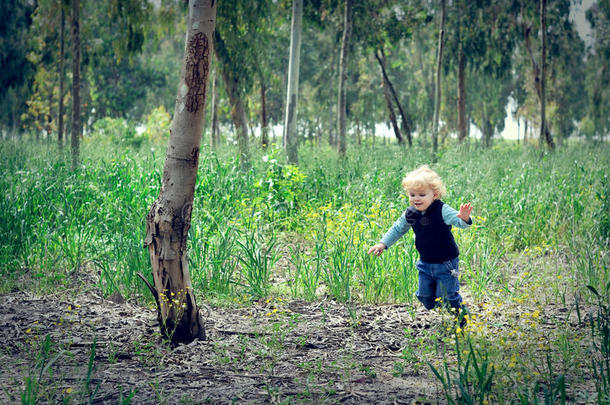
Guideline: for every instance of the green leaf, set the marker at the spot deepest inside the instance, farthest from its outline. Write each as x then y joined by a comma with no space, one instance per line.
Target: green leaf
437,374
593,290
498,58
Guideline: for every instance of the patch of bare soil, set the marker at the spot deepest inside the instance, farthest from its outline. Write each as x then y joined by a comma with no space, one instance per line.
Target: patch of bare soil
270,352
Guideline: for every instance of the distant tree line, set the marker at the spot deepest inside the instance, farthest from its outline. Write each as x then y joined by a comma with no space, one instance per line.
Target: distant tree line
362,63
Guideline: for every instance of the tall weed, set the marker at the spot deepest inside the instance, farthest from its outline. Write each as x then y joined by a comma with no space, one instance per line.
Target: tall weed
52,220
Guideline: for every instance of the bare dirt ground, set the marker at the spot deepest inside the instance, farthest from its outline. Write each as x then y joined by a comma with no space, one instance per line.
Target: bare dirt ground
271,351
78,347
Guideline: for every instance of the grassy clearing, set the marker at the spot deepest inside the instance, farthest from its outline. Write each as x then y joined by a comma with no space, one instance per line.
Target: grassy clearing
540,237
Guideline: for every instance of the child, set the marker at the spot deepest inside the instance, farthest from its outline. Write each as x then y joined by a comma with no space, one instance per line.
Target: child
431,221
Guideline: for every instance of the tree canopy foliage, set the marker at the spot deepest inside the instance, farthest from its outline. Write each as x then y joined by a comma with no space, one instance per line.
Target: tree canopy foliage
131,55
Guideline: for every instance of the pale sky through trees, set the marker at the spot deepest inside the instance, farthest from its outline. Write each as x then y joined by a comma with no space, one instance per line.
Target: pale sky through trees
578,16
511,128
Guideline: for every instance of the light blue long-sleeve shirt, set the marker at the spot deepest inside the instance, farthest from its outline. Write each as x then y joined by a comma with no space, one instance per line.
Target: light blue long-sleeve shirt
401,226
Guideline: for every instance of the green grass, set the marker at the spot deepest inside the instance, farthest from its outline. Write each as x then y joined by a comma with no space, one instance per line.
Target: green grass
55,221
540,236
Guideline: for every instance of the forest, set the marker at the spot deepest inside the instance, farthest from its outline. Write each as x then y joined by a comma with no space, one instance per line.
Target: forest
198,196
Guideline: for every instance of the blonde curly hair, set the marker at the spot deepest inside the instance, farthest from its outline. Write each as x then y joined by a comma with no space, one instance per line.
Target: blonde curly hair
423,177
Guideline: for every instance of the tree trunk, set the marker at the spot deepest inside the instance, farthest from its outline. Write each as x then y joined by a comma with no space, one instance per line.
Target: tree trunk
391,113
251,124
169,219
215,132
238,111
428,80
437,93
332,141
380,56
544,130
60,113
488,133
290,141
318,132
264,122
461,96
347,29
537,77
461,89
76,124
49,124
487,130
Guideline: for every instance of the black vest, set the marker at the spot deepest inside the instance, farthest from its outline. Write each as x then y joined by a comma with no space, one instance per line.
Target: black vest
433,238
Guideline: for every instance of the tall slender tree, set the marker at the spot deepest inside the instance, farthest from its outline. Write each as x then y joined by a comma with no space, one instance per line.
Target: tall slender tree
290,140
481,47
389,88
169,219
238,43
488,105
233,86
263,110
62,57
394,23
266,61
76,118
545,134
461,88
347,29
538,67
598,70
17,70
437,92
391,113
565,64
215,135
424,65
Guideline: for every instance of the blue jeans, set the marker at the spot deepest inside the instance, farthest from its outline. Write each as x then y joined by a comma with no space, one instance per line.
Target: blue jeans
439,280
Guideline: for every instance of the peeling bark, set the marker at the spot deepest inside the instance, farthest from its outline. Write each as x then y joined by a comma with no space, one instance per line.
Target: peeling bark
169,218
197,71
166,238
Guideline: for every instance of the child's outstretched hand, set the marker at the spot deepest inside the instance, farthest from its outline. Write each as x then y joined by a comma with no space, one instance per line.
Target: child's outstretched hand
377,250
465,211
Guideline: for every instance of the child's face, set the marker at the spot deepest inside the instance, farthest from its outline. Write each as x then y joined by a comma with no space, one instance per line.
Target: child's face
422,198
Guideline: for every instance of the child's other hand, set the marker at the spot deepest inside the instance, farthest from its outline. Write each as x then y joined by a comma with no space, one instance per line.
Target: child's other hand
465,211
377,250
